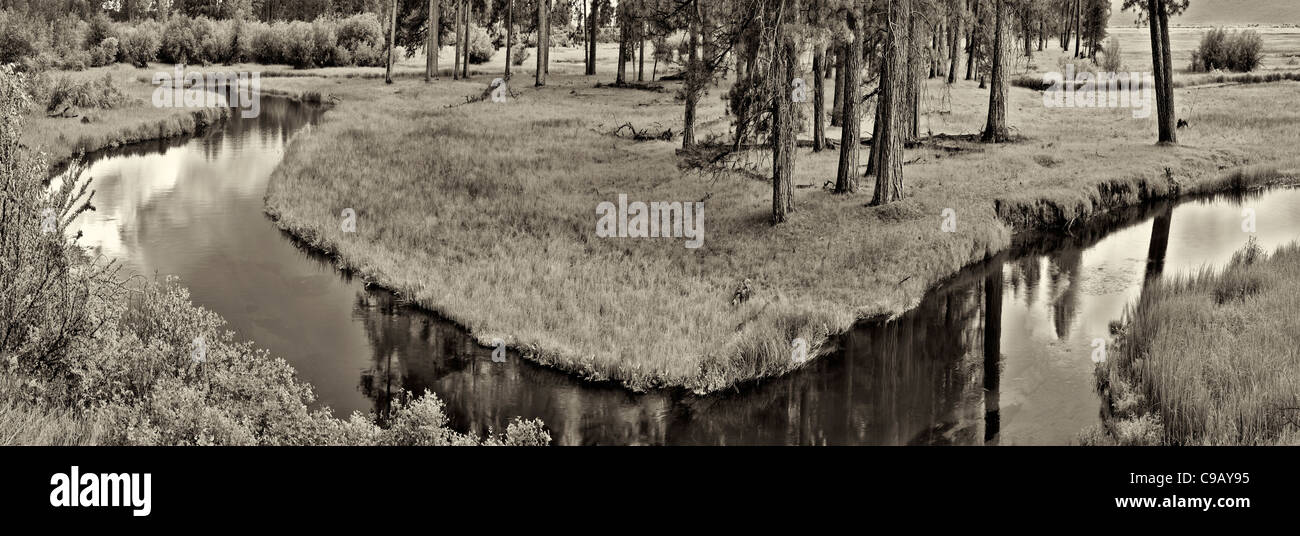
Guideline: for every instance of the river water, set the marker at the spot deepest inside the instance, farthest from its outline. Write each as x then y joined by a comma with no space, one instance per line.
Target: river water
999,354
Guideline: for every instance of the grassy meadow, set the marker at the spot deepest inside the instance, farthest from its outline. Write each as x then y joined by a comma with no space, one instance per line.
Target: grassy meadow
135,120
1209,358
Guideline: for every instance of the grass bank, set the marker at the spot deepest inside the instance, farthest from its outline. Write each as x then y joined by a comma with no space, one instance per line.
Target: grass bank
485,212
1209,358
133,121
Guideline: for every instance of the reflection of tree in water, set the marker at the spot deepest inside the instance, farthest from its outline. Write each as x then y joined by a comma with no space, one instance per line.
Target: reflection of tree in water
912,380
992,335
1065,288
1025,275
417,351
1159,245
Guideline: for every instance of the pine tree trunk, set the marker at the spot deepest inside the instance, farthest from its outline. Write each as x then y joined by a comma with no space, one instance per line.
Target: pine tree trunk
973,45
889,166
640,69
469,15
819,99
954,38
1029,43
460,39
392,36
510,35
1162,63
591,37
1078,27
846,175
837,102
432,43
913,103
546,53
781,77
621,78
543,43
692,81
995,130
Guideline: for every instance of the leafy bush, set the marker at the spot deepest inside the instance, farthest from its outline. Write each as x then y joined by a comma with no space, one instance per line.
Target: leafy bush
98,93
519,55
104,53
360,30
180,44
264,45
480,46
217,43
1111,61
99,28
300,48
37,260
18,38
1232,51
140,45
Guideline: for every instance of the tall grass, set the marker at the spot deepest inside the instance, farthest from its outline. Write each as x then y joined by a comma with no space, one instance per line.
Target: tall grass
1210,358
25,421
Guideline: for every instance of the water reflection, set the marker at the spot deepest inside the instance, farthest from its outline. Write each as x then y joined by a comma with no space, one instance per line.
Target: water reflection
992,356
998,354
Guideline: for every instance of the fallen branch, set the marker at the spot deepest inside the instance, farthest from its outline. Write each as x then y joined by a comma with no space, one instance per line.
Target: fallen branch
642,135
485,95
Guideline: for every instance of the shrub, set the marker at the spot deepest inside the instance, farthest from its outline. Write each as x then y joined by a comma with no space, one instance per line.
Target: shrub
324,39
104,53
300,49
519,54
217,43
480,46
265,44
140,45
1232,51
1110,61
73,60
37,260
360,30
98,93
369,56
179,42
18,38
99,28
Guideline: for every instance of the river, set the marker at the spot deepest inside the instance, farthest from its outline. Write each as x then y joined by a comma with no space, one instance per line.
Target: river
1000,353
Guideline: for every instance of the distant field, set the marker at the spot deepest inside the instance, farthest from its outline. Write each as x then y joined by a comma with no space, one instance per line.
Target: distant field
1281,47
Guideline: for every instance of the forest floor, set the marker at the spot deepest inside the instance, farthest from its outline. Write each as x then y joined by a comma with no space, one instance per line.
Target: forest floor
486,212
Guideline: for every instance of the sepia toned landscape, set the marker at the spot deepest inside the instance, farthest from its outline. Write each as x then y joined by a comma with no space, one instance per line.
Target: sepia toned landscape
831,222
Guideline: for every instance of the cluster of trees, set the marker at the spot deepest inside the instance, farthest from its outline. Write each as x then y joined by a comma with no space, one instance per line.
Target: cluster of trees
876,49
868,50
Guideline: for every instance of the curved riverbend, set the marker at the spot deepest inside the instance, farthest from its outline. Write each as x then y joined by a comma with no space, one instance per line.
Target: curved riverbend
999,353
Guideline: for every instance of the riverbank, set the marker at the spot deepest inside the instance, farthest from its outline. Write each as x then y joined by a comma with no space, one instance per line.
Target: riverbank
135,120
485,212
109,358
1209,358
